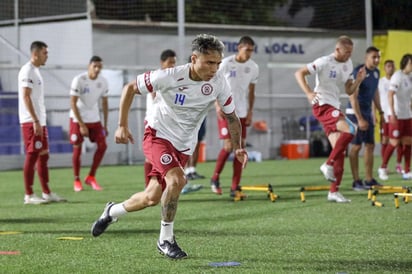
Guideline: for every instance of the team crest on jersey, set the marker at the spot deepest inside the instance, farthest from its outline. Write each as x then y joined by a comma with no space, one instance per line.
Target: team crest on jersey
375,74
335,113
166,159
247,69
207,89
38,145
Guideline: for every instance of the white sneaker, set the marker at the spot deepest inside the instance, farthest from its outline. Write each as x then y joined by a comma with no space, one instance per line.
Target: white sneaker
33,200
53,197
383,174
407,176
328,172
337,197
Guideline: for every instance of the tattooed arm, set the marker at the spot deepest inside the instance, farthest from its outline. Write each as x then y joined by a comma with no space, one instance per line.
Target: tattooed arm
235,130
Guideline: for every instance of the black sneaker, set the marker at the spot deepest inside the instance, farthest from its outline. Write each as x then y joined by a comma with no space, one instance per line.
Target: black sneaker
171,250
372,183
196,175
104,221
357,185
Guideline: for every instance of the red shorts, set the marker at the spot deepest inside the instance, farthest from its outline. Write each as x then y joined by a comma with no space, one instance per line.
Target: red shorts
385,130
33,143
328,116
96,133
224,128
402,129
162,155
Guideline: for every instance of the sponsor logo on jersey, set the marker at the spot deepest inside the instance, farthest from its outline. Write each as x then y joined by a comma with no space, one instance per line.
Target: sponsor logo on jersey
182,88
207,89
27,80
166,159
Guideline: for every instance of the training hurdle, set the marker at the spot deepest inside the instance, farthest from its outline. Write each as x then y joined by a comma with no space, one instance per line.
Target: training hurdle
375,190
405,198
311,188
266,188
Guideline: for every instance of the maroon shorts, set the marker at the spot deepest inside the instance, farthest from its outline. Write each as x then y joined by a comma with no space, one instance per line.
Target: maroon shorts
224,128
162,155
96,133
401,129
328,116
385,129
33,143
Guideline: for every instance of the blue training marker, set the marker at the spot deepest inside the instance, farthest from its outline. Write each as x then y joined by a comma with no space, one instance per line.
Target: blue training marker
220,264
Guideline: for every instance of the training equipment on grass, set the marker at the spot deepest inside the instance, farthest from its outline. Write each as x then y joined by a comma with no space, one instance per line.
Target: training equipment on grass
239,195
375,190
311,188
220,264
405,198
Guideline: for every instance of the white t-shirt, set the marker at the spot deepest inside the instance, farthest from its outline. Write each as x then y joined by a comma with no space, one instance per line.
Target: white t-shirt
239,76
330,76
30,77
89,92
401,84
183,104
383,88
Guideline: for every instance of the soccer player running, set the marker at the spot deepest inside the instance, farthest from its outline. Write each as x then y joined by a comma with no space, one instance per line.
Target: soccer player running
242,74
400,120
359,111
87,90
187,92
331,71
32,117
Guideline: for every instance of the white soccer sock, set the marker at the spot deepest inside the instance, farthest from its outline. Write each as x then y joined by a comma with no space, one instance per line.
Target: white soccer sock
166,231
117,210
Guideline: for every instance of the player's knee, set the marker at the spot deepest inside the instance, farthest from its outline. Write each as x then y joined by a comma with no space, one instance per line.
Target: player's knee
102,146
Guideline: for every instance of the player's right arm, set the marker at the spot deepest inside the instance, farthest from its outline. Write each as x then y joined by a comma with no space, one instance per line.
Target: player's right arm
30,108
123,135
300,76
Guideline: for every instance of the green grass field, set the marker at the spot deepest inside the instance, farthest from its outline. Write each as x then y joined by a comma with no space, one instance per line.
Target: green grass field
286,236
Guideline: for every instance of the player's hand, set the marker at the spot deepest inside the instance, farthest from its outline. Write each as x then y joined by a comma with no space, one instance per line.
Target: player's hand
106,132
123,136
314,98
361,75
241,156
363,124
38,130
84,131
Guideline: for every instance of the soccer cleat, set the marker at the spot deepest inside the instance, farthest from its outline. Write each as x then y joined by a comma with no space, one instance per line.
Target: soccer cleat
77,185
357,185
407,176
53,198
196,175
171,249
237,194
104,221
33,199
337,197
372,183
215,186
191,188
383,174
327,171
398,169
91,181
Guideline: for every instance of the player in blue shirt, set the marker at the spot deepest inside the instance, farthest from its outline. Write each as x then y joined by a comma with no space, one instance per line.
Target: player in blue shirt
359,110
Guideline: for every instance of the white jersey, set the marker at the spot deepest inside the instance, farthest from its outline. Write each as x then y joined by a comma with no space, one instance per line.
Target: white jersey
30,77
240,76
330,75
183,104
89,92
383,88
401,84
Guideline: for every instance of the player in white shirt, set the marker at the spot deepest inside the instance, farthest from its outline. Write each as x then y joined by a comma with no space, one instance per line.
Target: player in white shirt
87,90
170,137
242,75
400,120
331,72
383,87
32,116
